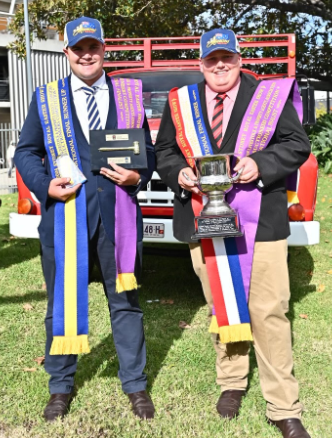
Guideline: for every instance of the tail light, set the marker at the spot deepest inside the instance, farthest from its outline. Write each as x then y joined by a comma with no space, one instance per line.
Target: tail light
296,212
24,206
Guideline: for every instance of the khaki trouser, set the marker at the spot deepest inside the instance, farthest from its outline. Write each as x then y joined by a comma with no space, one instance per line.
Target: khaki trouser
268,305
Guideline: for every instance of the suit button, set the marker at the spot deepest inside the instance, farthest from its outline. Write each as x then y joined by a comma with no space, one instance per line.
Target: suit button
100,189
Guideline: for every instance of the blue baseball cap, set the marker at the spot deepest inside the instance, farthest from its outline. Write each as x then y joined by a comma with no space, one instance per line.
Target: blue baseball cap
83,27
218,39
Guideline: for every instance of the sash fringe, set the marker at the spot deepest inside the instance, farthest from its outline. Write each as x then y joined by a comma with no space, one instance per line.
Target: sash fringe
70,345
231,333
126,282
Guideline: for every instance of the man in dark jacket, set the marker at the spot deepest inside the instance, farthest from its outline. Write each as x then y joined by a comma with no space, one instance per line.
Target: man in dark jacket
226,86
92,102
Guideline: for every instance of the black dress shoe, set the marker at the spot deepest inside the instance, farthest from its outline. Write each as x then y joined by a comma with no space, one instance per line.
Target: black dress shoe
142,405
290,428
57,407
229,403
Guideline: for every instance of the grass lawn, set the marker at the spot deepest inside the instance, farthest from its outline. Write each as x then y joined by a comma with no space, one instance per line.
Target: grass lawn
180,363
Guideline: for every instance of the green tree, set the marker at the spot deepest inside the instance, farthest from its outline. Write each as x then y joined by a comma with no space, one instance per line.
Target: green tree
120,18
311,20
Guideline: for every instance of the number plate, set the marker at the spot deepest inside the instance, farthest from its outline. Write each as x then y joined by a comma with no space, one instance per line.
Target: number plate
154,230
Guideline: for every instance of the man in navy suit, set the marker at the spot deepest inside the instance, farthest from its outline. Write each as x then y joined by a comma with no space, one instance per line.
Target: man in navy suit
84,50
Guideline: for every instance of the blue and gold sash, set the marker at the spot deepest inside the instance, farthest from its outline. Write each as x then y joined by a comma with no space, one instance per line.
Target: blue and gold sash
70,310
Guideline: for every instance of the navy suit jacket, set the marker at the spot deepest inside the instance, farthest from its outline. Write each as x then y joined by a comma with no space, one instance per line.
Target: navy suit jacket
100,191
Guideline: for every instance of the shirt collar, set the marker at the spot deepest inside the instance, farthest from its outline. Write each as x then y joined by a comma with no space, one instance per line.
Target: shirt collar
231,94
77,83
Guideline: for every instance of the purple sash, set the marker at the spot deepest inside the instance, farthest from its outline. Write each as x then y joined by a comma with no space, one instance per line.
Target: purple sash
130,114
257,128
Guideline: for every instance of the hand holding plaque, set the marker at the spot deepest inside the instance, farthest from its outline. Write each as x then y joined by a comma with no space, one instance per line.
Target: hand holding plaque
217,219
125,147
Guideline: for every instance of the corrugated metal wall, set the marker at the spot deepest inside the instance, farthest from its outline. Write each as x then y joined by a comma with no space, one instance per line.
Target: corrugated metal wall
46,67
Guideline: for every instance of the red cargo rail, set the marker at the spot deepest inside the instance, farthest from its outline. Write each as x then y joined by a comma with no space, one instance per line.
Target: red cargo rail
146,47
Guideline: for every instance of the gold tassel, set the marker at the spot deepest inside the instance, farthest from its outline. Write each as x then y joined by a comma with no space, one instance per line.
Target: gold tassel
231,333
125,282
70,345
235,333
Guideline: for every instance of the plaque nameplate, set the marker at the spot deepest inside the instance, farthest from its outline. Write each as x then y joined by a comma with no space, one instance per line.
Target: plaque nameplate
119,160
116,137
216,224
125,147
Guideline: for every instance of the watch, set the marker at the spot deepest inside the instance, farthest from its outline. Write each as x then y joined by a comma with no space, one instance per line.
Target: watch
138,183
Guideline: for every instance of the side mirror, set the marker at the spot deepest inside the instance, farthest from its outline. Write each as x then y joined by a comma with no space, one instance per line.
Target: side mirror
308,100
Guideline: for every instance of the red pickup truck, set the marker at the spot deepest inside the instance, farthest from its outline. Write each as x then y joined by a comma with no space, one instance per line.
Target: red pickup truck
159,76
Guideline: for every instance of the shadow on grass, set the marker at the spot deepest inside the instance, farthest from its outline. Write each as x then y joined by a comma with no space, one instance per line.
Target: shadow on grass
27,297
301,268
89,364
15,251
166,277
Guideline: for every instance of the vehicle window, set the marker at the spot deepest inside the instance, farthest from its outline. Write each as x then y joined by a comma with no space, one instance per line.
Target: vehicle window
157,84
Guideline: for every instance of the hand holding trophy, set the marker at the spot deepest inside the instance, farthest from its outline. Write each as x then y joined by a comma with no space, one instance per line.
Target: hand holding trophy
217,219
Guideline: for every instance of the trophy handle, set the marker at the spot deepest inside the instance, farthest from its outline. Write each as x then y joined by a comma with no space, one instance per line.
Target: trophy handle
237,176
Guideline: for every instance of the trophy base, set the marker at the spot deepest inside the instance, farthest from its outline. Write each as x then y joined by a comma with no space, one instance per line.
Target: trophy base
226,225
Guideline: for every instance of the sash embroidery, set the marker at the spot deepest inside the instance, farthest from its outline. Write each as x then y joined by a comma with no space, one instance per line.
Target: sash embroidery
130,114
229,261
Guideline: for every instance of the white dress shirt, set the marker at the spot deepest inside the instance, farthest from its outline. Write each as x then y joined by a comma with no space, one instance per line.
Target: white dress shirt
102,98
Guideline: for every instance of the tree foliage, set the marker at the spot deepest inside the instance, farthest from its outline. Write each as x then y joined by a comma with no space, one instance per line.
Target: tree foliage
320,136
311,20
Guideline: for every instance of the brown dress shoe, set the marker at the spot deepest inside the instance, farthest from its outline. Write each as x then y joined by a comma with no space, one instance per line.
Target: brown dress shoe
57,406
291,428
142,405
229,403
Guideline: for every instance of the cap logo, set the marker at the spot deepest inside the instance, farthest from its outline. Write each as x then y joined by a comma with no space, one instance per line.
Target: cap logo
84,27
218,38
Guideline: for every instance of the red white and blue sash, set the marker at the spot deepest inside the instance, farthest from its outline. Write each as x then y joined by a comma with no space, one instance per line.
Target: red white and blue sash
229,261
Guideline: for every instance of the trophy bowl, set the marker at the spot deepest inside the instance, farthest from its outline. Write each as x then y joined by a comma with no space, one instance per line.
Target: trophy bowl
214,179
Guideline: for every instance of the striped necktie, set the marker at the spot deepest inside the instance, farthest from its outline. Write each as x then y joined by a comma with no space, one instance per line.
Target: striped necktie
217,118
93,113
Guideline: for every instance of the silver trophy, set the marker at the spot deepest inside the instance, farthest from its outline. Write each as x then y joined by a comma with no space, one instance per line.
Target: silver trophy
217,219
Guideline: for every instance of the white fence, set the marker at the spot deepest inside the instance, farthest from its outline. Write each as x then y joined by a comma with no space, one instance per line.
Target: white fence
46,67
